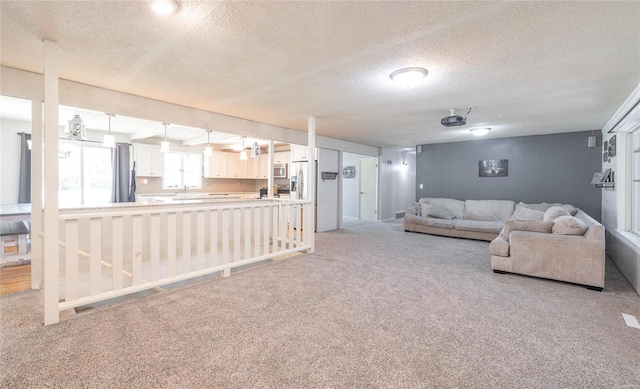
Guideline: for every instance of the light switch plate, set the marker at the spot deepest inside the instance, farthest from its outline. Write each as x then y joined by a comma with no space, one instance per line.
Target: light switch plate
421,186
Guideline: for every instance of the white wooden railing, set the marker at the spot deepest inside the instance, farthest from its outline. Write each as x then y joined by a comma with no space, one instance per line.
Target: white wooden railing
119,251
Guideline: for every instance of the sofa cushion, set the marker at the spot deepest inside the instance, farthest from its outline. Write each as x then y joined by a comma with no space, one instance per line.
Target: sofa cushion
431,222
499,246
569,225
554,212
479,225
571,209
528,214
526,225
538,207
453,205
488,209
430,210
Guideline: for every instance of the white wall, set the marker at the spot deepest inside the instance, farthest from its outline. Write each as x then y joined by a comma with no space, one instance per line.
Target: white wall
350,187
623,249
397,182
327,191
10,158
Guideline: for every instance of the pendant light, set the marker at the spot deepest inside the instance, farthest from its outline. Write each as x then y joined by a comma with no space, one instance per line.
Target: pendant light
208,151
109,140
164,145
243,153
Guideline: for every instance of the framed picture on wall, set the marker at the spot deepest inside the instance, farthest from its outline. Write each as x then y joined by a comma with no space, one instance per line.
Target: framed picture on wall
612,146
493,168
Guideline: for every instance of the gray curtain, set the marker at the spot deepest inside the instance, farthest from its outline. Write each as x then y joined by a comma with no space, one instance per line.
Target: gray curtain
24,187
120,163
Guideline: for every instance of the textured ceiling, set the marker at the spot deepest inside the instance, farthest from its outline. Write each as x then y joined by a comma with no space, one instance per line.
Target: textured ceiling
528,67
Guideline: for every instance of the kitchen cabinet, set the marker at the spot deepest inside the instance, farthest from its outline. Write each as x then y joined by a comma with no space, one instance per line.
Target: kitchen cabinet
149,161
234,166
255,167
216,165
281,157
299,153
264,167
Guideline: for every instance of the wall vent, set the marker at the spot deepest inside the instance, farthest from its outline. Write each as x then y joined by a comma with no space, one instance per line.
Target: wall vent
400,214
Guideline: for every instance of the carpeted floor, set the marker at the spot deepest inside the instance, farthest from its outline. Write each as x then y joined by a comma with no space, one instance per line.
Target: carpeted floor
374,307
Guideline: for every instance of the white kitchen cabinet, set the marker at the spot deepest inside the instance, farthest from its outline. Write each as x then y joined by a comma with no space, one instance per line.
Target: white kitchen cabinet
216,165
264,167
235,167
149,161
299,153
254,167
281,157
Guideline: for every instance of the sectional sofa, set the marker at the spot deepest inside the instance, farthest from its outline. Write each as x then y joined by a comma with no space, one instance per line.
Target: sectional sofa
553,241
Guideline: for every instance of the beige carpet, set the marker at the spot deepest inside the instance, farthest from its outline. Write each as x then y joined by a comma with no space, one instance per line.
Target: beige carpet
374,307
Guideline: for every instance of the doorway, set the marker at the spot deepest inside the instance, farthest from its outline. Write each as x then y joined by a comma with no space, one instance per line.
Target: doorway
368,193
359,174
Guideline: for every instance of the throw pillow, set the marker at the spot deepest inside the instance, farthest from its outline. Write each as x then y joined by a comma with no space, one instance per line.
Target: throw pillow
571,209
538,207
424,209
437,212
553,213
527,225
569,225
529,214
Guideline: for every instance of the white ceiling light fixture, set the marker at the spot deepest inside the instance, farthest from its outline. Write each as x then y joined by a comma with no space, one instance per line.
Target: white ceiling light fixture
480,131
165,7
164,145
208,151
109,140
243,153
408,77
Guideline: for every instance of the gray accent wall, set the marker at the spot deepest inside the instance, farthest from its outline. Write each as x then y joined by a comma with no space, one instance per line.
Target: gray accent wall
551,168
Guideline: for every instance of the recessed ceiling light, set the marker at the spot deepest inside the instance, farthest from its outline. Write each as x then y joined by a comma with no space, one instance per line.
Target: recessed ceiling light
164,7
480,131
408,77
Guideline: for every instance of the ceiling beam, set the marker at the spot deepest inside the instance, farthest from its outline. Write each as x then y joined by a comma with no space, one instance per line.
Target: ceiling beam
147,132
213,138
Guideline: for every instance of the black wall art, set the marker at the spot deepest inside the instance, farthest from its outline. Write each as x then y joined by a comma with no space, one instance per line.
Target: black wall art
493,168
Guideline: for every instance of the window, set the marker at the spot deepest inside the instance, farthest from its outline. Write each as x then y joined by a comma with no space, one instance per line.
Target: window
84,174
635,184
182,170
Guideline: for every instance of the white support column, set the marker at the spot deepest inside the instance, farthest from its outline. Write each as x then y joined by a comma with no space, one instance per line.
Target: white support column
340,186
36,194
311,180
50,247
270,182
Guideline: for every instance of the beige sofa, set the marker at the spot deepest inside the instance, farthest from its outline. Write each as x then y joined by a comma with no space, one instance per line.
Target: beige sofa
472,219
578,259
521,241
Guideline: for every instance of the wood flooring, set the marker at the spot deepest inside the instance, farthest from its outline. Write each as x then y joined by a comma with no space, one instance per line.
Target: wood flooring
15,278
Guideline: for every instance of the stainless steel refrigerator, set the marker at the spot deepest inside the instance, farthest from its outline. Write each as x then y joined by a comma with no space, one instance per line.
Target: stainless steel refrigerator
299,186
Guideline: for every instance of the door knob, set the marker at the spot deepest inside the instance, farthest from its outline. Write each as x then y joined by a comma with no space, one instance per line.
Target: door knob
361,192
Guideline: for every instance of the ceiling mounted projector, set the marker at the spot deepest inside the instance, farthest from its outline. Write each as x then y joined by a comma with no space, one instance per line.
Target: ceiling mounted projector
455,120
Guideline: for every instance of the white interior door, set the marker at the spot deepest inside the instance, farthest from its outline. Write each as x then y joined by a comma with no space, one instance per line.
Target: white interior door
368,188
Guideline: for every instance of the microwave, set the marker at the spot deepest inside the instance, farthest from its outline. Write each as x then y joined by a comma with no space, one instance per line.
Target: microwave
280,170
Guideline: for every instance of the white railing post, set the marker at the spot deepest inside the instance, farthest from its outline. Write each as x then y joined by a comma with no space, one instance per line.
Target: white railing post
51,222
36,195
311,185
